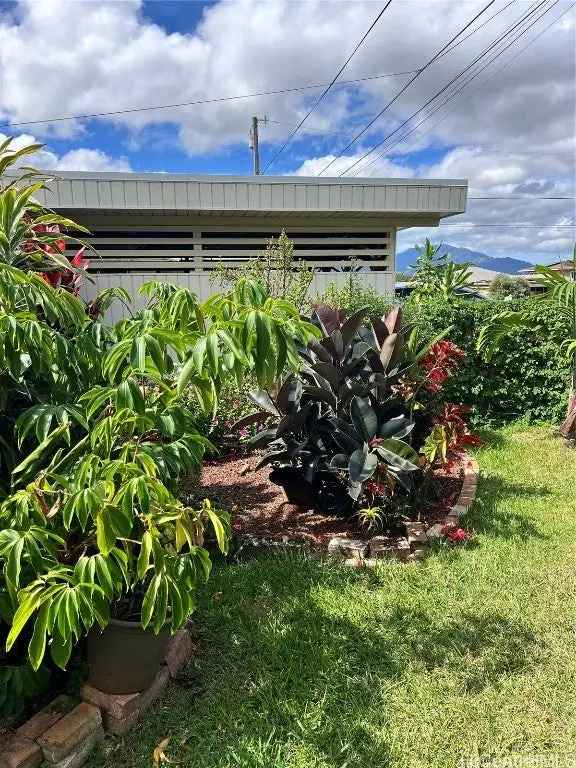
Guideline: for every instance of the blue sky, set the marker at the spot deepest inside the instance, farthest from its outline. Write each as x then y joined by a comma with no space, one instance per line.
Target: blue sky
509,132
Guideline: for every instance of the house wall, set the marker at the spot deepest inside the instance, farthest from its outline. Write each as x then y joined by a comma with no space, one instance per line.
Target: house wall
136,248
204,286
180,228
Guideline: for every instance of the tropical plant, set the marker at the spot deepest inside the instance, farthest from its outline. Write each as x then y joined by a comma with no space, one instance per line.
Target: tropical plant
94,435
345,418
560,296
455,278
450,435
509,287
437,274
276,269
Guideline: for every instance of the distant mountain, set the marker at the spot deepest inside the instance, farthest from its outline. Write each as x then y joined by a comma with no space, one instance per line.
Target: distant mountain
505,264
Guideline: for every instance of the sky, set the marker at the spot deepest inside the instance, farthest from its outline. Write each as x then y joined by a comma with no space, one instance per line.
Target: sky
508,124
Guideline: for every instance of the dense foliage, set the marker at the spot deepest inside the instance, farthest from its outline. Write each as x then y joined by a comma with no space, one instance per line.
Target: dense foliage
559,297
509,287
526,377
349,432
94,434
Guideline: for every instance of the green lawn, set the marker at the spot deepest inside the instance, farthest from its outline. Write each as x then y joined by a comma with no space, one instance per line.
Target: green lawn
308,665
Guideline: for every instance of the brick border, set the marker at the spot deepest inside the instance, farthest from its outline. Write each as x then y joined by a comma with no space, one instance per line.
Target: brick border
357,553
365,554
63,735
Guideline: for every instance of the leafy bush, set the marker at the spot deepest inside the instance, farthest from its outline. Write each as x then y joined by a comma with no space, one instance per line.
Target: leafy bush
94,434
527,377
276,269
353,295
348,427
508,287
559,298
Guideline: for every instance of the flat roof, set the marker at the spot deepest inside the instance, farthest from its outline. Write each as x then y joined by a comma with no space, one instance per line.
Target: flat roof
173,193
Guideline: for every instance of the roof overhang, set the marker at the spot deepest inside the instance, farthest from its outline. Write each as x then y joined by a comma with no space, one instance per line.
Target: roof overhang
410,201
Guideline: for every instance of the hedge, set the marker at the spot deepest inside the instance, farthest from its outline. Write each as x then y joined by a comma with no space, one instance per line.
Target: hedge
527,378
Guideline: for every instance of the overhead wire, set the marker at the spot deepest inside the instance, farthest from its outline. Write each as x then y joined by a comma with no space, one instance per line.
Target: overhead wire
450,83
405,88
219,99
414,129
328,87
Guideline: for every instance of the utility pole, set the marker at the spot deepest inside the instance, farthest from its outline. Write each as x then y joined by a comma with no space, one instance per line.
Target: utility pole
254,142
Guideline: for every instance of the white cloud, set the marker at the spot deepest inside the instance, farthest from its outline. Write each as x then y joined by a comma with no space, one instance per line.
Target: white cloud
81,159
511,131
84,57
492,175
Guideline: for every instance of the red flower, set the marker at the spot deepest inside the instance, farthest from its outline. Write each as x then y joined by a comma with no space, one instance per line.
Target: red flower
456,535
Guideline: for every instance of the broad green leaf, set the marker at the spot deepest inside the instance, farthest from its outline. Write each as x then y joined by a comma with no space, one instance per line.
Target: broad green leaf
37,644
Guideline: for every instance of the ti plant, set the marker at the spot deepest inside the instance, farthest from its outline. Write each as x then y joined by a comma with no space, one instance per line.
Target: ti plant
340,421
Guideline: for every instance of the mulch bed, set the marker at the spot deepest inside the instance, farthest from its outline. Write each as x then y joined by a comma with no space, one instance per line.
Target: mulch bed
260,511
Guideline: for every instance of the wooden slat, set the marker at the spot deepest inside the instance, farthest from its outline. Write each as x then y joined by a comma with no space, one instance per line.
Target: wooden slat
99,265
169,253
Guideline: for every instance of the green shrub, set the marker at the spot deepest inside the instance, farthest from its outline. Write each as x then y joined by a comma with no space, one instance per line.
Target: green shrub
354,295
508,287
526,378
94,436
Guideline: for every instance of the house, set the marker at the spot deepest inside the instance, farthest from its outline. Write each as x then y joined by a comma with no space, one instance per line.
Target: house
180,228
565,267
482,278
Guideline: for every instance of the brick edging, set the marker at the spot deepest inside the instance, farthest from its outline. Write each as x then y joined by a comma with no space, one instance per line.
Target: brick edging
63,735
365,554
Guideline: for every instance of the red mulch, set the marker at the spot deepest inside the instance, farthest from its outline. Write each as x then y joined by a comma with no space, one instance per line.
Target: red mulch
260,510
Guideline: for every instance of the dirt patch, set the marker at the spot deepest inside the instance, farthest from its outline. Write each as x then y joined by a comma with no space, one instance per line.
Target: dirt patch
259,508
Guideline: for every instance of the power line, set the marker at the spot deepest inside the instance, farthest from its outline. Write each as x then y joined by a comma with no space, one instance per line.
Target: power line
257,94
454,79
466,83
507,224
506,64
328,87
525,197
404,88
477,29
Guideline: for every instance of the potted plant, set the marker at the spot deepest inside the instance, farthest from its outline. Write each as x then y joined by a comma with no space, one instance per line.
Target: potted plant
95,433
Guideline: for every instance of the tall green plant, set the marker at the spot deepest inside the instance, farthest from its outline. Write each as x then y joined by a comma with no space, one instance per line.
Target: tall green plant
94,435
276,269
436,274
560,296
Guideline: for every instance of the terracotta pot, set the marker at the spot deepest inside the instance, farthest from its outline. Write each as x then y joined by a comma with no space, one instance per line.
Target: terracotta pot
125,658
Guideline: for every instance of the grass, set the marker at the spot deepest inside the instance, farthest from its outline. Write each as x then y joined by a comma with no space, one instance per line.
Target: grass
308,665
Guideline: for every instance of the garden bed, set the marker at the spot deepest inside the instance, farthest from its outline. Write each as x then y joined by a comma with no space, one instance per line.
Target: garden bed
261,514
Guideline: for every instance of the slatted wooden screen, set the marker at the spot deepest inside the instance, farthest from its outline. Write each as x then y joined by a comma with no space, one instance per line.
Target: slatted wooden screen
203,250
